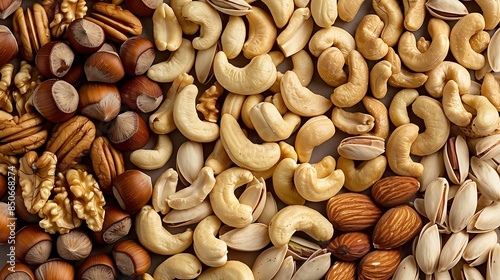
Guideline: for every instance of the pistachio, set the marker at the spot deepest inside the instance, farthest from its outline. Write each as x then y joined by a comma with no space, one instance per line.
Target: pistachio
446,9
478,248
361,147
456,159
452,251
485,220
487,179
493,266
436,200
178,218
300,248
464,206
315,267
231,7
428,248
488,147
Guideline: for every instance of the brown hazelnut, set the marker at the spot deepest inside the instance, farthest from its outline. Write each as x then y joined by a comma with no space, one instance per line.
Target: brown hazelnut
9,48
131,258
85,36
56,100
20,271
55,269
4,223
108,47
7,7
3,186
98,266
74,246
100,101
104,66
54,59
141,94
75,75
128,131
21,211
117,224
137,55
132,189
143,8
33,245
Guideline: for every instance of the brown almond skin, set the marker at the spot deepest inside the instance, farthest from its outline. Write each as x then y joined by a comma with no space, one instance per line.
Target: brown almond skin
350,246
394,190
342,271
352,212
396,227
379,264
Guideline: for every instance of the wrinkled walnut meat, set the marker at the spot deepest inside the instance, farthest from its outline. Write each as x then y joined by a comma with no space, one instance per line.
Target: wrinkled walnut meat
6,73
21,135
25,81
36,178
67,12
6,161
107,162
208,105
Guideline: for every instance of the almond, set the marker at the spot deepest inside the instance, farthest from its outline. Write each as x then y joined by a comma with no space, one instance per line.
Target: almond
352,212
342,271
394,190
396,227
379,264
350,246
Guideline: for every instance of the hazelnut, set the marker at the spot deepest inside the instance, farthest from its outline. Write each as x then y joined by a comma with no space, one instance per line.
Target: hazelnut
104,66
74,246
108,47
7,7
54,59
85,36
143,8
132,189
55,269
128,131
9,48
3,186
33,245
56,100
4,222
100,101
75,75
131,258
137,55
98,266
117,224
21,211
141,94
21,272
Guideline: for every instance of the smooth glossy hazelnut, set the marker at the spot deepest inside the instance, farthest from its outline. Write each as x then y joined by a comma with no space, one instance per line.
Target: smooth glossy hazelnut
8,7
108,47
33,245
104,66
128,131
54,59
74,246
131,258
56,100
99,101
75,75
21,211
99,267
9,48
85,36
3,186
19,271
117,224
137,55
143,8
141,94
132,189
55,269
4,223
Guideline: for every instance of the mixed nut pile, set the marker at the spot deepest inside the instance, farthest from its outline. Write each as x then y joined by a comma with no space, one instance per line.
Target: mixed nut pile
398,194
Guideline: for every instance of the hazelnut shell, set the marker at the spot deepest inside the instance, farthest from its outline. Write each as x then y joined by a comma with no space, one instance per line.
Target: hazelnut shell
137,55
141,94
54,59
132,189
56,100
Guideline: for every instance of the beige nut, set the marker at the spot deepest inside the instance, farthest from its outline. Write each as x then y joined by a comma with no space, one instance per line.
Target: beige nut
188,27
232,269
324,12
486,119
379,76
398,151
398,108
352,123
367,36
295,36
283,182
209,20
331,36
379,112
490,88
443,72
348,9
452,105
314,187
350,93
391,15
167,31
181,61
269,123
280,10
233,37
261,33
414,14
461,36
179,266
491,13
314,132
360,178
208,248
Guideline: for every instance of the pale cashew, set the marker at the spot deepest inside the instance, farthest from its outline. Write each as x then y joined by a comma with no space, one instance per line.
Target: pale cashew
491,13
188,27
330,67
277,57
256,77
218,160
312,187
209,21
297,33
486,120
314,132
352,123
360,178
230,270
402,78
287,151
186,117
325,166
262,33
378,110
350,93
179,266
348,9
453,107
165,185
156,158
398,108
208,248
166,29
391,15
233,104
490,89
181,61
283,182
280,10
299,99
277,100
157,239
256,157
367,36
324,12
233,37
444,72
398,151
249,102
379,76
294,218
460,41
194,194
437,126
303,66
269,123
331,36
414,14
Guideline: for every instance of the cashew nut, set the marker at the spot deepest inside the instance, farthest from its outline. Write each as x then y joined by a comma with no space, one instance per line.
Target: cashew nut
398,151
303,66
378,110
401,77
179,266
230,270
262,33
188,27
453,107
280,10
287,151
352,123
460,41
486,119
186,117
313,187
491,12
209,21
367,36
164,186
269,123
414,14
313,133
444,72
233,105
166,29
350,93
324,12
294,218
398,108
208,248
233,37
218,160
181,61
195,194
297,33
331,36
277,100
379,76
283,182
330,67
391,15
490,89
348,9
157,239
358,179
156,158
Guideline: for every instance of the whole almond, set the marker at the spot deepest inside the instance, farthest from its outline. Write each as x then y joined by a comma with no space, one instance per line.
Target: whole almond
394,190
396,227
379,264
352,212
342,271
350,246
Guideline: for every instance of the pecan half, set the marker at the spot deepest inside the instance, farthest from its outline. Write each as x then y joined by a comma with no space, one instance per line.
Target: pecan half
107,162
22,134
31,29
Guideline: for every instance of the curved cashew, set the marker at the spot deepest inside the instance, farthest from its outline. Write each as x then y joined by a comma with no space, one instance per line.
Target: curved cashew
358,179
348,9
391,15
233,104
398,151
156,158
179,266
419,61
166,29
378,110
350,93
313,133
324,12
414,14
165,185
218,160
256,77
398,108
256,157
283,182
248,104
312,187
181,61
401,77
208,248
233,37
331,36
491,13
157,239
269,123
486,120
330,67
287,151
188,27
277,100
303,66
379,76
262,33
352,123
444,72
490,89
299,99
297,33
280,10
460,41
453,107
186,117
294,218
209,21
230,270
195,194
367,36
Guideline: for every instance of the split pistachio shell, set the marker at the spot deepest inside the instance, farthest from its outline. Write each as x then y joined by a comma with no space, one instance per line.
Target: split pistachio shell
456,159
428,248
361,147
488,147
203,63
189,161
253,237
254,196
407,269
446,9
231,7
268,263
494,53
452,251
287,269
419,205
270,208
476,252
179,218
493,266
436,200
485,220
434,168
301,249
464,206
487,179
315,267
